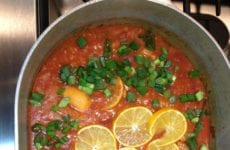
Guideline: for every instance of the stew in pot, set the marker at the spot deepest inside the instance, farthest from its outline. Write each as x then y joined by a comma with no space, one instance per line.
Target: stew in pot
118,86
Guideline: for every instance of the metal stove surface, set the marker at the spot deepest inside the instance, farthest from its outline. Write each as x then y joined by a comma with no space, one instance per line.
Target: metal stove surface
17,34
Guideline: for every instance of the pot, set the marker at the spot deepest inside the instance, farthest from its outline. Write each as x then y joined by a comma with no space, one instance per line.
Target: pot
199,47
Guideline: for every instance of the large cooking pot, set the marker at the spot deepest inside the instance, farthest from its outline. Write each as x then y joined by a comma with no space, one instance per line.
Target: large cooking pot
204,52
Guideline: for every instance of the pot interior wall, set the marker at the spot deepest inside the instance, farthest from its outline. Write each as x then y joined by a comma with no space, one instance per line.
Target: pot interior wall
202,51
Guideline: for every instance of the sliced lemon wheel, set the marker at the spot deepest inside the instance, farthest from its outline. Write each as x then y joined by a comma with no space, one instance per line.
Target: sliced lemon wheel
117,92
168,122
95,137
127,148
153,146
130,127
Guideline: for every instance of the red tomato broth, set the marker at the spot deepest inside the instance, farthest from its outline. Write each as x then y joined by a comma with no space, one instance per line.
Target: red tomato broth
47,80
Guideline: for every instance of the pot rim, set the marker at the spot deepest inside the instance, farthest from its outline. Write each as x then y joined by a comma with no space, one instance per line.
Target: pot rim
52,25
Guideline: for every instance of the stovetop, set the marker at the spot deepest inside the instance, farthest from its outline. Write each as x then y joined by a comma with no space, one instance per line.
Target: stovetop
19,30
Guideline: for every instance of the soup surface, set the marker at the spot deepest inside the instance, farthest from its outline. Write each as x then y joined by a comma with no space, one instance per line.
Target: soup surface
116,86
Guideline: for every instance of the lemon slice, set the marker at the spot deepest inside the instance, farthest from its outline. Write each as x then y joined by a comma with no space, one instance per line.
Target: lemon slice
117,93
78,99
153,146
170,123
95,137
127,148
130,127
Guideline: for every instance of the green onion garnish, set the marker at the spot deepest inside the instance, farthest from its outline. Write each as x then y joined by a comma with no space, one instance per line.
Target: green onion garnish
107,92
194,73
142,90
199,95
203,147
36,98
149,39
123,50
55,108
81,42
64,102
156,103
134,45
130,96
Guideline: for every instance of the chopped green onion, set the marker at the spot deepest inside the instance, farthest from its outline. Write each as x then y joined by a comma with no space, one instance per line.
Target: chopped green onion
168,64
86,89
142,90
164,50
107,92
36,98
55,108
194,73
71,80
64,102
192,143
141,83
149,39
64,139
40,141
199,95
64,73
74,124
130,96
134,45
156,103
66,129
81,42
60,91
99,84
167,93
195,120
187,98
139,59
161,81
142,73
191,134
123,50
203,147
159,88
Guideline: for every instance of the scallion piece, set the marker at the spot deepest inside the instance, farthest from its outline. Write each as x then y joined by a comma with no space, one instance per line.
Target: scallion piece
142,90
149,40
194,73
81,42
199,95
71,80
64,102
36,98
167,93
55,108
134,45
139,59
107,92
155,103
86,89
123,50
130,97
203,147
